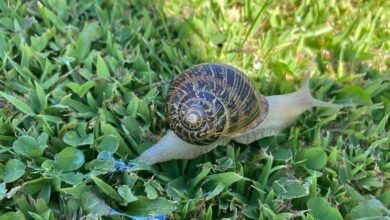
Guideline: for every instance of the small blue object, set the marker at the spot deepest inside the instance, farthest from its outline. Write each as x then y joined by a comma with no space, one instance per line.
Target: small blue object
160,216
122,166
115,212
152,217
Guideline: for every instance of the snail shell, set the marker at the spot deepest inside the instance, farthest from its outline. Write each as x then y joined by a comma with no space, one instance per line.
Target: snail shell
208,102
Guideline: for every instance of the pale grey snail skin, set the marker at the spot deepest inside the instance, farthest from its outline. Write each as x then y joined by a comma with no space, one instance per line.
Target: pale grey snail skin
283,110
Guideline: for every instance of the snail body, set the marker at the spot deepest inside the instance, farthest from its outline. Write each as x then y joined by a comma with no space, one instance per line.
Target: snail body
211,104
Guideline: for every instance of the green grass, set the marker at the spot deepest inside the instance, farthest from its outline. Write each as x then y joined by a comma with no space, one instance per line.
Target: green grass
83,87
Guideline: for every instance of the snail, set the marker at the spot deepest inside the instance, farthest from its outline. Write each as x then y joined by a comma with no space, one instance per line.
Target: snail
211,104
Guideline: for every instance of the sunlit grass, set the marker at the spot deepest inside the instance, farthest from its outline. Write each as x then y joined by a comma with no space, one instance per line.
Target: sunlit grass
83,87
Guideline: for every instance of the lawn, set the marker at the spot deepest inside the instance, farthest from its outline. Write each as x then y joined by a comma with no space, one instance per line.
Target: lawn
83,87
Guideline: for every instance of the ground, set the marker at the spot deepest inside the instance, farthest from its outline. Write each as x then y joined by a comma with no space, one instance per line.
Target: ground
83,86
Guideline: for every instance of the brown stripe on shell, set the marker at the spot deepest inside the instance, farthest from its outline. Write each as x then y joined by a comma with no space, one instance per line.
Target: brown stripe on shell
210,101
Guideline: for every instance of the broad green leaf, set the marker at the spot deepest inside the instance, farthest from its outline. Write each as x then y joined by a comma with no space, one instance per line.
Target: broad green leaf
146,207
69,159
354,95
83,44
38,43
284,216
42,139
265,172
223,164
313,158
77,138
3,45
371,182
33,186
382,124
109,143
143,111
28,146
290,188
385,198
84,88
132,126
151,192
72,178
150,96
52,119
23,107
12,216
218,39
123,148
91,204
40,97
126,193
215,191
24,72
107,189
205,171
14,169
91,101
321,209
282,154
132,108
370,209
77,191
81,90
34,102
26,56
101,68
178,188
74,87
226,179
47,13
216,183
81,108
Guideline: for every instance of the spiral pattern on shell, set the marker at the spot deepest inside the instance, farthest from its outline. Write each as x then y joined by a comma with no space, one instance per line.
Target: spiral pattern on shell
211,101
